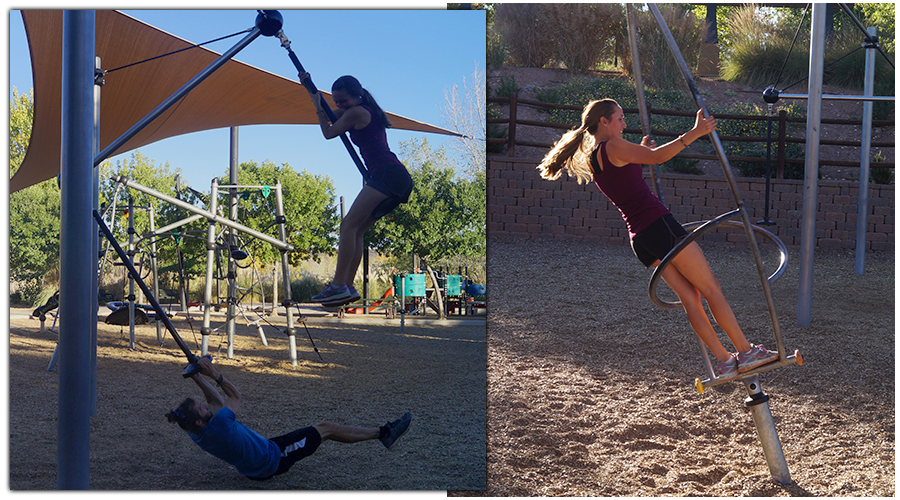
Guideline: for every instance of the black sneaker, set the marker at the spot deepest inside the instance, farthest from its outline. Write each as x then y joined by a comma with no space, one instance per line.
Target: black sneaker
396,429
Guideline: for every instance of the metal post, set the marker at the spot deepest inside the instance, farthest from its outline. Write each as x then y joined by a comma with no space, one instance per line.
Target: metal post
232,267
131,297
811,182
758,404
159,336
76,262
639,85
286,273
210,263
862,209
95,240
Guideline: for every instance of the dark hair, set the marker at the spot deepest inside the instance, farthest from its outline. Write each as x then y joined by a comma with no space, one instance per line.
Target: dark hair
186,416
352,86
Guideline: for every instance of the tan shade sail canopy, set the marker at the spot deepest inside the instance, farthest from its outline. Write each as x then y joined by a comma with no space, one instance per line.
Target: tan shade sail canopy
236,94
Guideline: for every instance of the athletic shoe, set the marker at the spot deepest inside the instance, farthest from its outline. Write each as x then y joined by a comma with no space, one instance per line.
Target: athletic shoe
340,300
727,368
756,356
332,293
393,430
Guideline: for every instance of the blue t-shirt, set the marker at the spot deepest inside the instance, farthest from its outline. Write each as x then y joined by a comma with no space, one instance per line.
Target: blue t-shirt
226,438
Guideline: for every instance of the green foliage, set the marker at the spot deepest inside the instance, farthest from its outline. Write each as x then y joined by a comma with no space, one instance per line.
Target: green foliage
496,48
445,216
573,36
494,130
304,287
508,86
658,67
682,166
756,128
33,213
881,175
309,207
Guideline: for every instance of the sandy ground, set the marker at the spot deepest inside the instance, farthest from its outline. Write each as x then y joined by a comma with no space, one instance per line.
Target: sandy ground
590,386
370,373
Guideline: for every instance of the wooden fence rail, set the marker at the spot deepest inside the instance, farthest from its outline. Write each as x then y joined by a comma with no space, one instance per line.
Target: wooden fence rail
779,139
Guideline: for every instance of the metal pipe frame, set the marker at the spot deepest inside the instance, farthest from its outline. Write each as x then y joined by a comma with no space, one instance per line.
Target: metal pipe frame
211,215
862,205
838,97
187,87
811,177
286,272
210,263
639,85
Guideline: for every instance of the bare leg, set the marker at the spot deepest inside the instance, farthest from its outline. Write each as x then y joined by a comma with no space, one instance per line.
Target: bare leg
691,278
353,227
346,433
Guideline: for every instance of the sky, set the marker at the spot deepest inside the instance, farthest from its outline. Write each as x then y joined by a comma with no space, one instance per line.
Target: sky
405,58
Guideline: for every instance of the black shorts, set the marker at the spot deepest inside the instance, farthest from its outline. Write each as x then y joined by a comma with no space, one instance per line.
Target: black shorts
396,183
655,242
294,446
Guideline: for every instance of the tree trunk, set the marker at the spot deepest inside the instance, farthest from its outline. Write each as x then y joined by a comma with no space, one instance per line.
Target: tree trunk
437,291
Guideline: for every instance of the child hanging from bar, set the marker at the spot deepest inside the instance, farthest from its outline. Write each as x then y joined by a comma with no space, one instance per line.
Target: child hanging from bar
388,186
596,151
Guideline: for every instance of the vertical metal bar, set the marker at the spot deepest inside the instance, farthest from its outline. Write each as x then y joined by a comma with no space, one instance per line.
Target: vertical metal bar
862,209
131,297
95,241
639,85
758,404
76,263
210,263
153,267
232,240
726,168
165,105
286,273
811,182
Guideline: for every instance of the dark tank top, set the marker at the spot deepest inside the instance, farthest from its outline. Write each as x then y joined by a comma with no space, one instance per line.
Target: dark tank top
628,191
373,146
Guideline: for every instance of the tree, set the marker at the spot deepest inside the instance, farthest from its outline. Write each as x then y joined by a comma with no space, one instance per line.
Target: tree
33,212
444,218
465,113
311,220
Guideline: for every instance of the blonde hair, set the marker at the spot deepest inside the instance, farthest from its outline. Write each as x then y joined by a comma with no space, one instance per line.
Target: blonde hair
572,151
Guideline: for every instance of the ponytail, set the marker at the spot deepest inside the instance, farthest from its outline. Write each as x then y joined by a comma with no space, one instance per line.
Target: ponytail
572,151
352,86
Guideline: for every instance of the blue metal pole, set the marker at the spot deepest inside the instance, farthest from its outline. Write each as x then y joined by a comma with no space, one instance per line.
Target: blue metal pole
76,313
862,206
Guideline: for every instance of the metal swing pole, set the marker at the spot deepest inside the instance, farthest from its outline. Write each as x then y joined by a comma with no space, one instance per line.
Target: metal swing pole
639,86
757,401
331,116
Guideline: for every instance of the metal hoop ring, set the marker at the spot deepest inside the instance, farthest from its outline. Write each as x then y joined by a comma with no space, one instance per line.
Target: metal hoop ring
703,228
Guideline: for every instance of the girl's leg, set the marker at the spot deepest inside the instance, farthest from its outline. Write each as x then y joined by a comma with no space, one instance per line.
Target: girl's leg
692,303
692,265
353,227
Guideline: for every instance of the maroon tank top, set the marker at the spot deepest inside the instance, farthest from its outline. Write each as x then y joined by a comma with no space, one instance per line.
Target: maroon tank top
373,146
628,191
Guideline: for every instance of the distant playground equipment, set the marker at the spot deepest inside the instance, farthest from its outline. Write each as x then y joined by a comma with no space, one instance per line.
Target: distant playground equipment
409,294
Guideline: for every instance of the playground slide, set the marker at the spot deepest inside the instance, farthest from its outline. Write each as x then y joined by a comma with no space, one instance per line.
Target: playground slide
359,310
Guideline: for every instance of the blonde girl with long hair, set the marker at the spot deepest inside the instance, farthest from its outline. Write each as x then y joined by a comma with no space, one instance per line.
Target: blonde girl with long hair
596,151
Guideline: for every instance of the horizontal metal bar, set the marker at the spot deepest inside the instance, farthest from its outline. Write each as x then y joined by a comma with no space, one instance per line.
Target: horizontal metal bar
209,215
836,97
749,373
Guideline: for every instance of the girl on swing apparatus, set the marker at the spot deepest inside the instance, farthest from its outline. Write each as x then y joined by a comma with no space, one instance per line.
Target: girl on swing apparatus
388,186
596,152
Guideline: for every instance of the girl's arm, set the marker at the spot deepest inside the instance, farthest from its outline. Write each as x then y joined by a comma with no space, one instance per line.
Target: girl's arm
345,120
622,152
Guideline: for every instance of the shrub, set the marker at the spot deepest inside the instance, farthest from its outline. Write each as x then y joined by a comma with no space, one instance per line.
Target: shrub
508,86
525,39
305,287
658,67
496,48
881,175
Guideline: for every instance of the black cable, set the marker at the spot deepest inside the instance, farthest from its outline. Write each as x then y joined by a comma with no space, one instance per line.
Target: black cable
791,49
179,50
